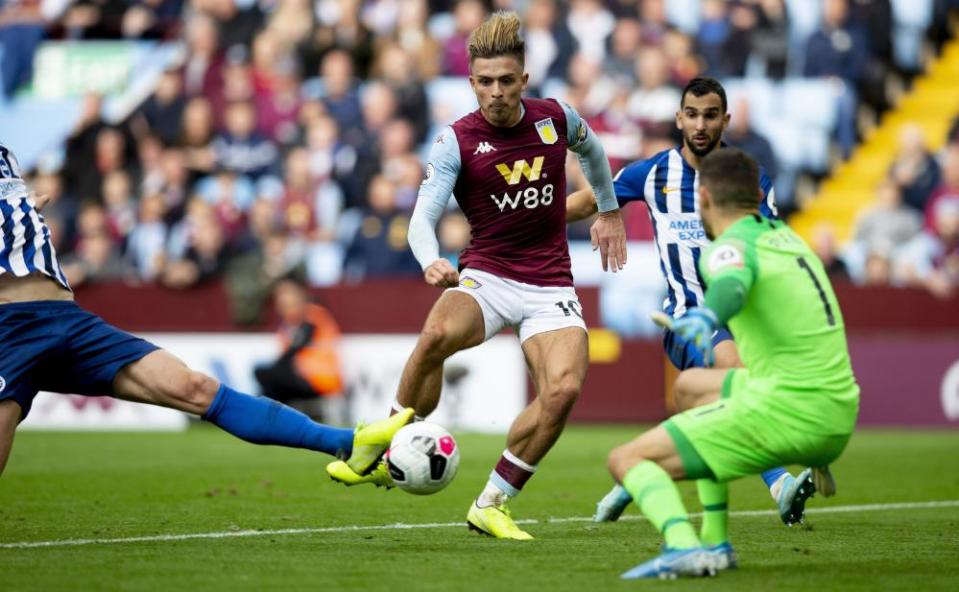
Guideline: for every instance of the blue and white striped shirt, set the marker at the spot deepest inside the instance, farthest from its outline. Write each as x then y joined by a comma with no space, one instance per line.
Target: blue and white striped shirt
26,246
670,188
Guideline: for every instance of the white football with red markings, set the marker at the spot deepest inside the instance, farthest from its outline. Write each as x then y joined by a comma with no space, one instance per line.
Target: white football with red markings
423,458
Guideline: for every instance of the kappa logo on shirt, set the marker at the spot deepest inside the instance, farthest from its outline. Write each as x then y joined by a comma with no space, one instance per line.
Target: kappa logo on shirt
484,148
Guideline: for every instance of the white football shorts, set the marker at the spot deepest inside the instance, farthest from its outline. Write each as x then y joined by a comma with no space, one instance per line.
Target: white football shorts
529,309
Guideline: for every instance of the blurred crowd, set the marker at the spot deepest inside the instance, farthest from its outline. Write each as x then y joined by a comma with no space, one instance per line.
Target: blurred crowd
910,235
290,137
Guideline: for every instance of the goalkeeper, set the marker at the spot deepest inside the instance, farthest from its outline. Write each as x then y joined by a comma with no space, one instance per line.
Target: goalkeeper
795,402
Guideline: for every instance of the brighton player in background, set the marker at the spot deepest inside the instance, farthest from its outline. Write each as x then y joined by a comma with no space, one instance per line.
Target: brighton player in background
49,343
668,184
796,401
505,165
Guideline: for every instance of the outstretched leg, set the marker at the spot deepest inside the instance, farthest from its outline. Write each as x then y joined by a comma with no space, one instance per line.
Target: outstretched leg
9,418
160,378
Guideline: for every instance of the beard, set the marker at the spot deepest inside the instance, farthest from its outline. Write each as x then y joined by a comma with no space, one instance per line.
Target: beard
707,227
701,152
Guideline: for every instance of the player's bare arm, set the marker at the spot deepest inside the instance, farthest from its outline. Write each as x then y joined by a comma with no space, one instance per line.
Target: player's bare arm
580,205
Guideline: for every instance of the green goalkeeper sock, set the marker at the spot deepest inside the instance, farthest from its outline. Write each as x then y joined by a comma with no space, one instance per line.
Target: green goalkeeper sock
715,499
656,495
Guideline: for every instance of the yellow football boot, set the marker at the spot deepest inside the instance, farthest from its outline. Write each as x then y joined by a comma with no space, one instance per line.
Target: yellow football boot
371,441
341,472
495,521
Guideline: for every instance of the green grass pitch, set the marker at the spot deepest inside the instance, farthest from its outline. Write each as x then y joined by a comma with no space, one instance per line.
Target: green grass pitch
68,487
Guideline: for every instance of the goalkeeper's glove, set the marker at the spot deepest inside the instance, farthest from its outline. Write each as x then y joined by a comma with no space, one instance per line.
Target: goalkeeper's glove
697,327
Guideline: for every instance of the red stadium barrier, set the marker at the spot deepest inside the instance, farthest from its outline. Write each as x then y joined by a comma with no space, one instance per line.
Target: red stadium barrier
904,343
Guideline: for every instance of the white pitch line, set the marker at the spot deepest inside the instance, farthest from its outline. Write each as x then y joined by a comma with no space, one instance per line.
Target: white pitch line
229,534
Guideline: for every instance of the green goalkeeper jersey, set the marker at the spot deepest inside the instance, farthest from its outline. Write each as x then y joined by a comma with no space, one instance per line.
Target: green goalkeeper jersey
789,329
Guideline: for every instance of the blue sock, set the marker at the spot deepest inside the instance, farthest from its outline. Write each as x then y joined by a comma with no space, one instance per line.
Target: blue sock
773,475
264,421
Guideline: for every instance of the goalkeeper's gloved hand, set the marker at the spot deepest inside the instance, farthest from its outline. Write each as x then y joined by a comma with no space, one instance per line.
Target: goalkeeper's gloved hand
697,327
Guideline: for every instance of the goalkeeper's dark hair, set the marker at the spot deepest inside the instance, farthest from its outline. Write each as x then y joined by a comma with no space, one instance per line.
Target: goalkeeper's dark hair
704,85
732,177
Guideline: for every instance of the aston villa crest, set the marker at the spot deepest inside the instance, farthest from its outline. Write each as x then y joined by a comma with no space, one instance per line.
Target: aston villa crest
546,130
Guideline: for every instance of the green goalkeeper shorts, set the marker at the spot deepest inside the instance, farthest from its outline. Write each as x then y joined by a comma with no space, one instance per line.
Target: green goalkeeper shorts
757,426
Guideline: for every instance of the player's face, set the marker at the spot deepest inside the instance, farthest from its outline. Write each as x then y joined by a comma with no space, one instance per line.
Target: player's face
702,121
498,83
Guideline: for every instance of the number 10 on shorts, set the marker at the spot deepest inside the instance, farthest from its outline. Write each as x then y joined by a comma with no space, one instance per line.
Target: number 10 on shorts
570,307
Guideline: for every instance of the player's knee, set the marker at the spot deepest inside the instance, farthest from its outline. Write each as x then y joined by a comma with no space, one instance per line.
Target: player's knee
620,460
685,392
195,391
558,402
435,343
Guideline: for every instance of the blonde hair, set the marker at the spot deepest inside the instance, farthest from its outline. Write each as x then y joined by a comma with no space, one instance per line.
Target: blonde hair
498,36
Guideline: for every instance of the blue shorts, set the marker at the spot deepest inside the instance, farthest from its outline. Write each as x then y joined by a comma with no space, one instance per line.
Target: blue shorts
54,345
682,353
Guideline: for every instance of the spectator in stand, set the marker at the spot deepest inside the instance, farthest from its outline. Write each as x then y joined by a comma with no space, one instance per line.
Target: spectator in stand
653,103
120,205
770,38
95,259
412,33
163,111
624,44
205,257
914,170
203,69
887,223
840,52
931,260
21,33
395,144
711,37
590,24
339,29
243,149
549,44
196,139
237,83
340,96
740,134
278,111
412,104
379,248
309,207
595,90
147,242
737,48
948,188
824,245
680,51
230,195
468,15
308,371
170,181
652,16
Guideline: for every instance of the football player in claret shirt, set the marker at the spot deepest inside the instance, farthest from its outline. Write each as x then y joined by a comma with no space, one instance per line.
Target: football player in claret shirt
505,165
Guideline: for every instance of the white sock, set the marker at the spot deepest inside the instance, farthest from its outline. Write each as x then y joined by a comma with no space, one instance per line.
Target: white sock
491,496
398,408
776,488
